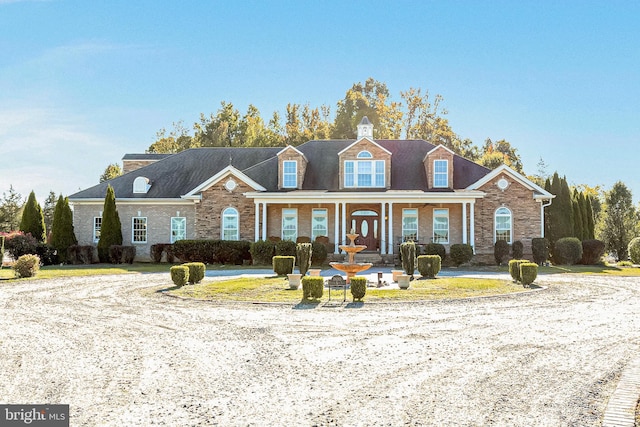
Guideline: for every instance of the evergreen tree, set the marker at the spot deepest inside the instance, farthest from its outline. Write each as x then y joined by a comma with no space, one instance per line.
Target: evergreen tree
619,220
566,219
48,211
111,229
591,227
11,207
33,220
582,202
548,211
578,229
62,233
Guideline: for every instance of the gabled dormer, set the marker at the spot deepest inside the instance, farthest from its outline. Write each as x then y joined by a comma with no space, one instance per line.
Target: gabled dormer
292,165
438,164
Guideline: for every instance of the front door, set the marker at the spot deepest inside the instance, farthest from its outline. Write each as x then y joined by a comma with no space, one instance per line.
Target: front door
365,223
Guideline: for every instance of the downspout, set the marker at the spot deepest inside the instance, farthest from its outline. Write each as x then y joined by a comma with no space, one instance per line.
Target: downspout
542,206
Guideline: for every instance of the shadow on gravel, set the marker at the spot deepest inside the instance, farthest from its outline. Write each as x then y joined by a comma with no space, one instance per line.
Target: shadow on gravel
355,304
306,304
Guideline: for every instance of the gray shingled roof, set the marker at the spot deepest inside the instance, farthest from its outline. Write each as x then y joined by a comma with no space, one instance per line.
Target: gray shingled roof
176,175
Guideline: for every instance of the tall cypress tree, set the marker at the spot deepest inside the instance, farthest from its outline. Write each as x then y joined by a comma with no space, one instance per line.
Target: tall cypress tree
566,219
111,229
62,233
33,219
591,228
578,229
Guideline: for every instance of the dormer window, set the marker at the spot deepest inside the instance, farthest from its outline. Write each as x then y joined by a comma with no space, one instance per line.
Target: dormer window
290,174
364,173
141,185
440,173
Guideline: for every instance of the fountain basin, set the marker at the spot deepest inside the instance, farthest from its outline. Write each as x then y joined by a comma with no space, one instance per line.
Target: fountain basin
351,269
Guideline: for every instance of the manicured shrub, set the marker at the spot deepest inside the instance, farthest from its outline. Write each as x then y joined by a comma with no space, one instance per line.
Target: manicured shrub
429,265
196,271
156,251
634,250
500,251
460,254
179,275
32,219
303,239
312,287
283,265
262,252
303,256
514,269
210,251
62,232
540,250
128,254
115,254
47,253
358,287
528,273
285,248
82,254
232,252
592,251
408,254
517,250
435,249
26,266
567,251
320,253
18,243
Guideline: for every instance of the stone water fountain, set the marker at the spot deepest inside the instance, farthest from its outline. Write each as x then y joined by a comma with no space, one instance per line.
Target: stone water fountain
351,267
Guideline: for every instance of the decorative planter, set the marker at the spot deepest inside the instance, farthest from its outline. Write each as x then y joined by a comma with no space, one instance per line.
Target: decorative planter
314,271
395,274
403,281
294,280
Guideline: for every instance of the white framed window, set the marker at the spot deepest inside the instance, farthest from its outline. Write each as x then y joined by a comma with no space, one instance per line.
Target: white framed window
503,225
230,224
364,173
364,155
441,226
441,173
97,226
290,224
178,228
141,185
290,174
319,223
409,225
139,229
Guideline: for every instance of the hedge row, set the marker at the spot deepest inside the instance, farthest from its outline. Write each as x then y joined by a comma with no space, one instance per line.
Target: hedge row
233,252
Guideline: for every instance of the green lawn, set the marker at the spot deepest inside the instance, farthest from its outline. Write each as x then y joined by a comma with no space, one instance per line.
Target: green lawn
55,271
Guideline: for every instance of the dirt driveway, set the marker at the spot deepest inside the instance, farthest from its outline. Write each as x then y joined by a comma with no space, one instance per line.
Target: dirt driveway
122,355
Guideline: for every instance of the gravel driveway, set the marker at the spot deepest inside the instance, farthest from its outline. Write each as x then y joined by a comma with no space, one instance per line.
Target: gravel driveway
123,355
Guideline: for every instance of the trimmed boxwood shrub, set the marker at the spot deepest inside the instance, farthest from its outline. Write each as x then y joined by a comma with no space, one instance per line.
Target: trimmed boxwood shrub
26,265
285,248
429,265
358,287
262,252
212,251
500,251
517,250
196,271
514,269
435,249
82,254
48,254
162,248
567,251
634,250
283,265
528,273
312,287
460,253
179,275
592,251
408,256
320,253
540,250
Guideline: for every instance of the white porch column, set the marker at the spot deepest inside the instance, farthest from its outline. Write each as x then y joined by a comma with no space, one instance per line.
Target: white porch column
464,222
383,231
264,221
256,226
344,223
390,242
472,240
336,227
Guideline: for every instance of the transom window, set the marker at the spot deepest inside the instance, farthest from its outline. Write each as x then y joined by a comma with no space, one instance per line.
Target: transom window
290,174
441,173
230,224
289,224
409,225
503,225
178,229
364,173
319,223
97,226
365,155
441,226
139,229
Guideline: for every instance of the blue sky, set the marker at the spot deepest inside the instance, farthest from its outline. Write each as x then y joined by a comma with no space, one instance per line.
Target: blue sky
83,82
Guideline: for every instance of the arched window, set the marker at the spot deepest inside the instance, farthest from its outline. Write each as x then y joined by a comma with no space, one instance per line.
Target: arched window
230,224
365,155
141,185
503,224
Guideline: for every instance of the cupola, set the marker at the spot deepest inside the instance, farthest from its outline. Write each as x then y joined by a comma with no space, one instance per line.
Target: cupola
365,128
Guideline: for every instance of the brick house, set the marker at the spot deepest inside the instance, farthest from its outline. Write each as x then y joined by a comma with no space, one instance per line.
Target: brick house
385,190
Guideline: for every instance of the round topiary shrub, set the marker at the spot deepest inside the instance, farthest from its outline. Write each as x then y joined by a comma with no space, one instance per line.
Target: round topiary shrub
500,251
460,254
514,269
567,251
540,250
27,266
179,275
283,265
517,250
528,273
196,271
312,287
634,250
429,265
592,251
358,287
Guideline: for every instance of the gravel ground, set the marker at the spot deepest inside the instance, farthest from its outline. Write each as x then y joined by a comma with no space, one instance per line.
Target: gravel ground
122,355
